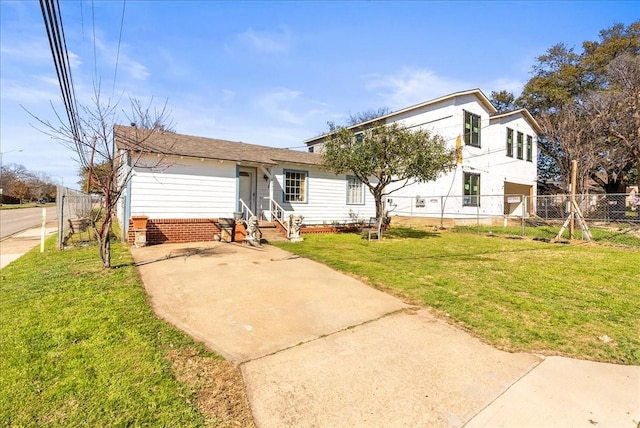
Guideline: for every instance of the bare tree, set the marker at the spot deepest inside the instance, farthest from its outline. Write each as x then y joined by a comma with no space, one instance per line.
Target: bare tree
367,115
93,143
615,112
565,137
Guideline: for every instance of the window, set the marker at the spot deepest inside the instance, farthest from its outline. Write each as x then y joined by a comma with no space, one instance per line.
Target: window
471,129
510,142
358,138
355,191
520,144
471,190
529,148
295,186
311,149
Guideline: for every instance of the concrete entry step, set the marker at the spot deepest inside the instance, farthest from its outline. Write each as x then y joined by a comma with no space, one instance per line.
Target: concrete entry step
273,235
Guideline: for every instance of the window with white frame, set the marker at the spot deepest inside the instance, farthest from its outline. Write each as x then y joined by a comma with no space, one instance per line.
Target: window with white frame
471,190
529,148
471,129
295,186
355,191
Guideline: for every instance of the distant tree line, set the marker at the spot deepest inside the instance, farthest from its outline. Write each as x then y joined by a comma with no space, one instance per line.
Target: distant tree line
19,185
588,105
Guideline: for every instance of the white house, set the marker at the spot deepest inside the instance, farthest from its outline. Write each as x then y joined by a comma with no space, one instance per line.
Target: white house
186,184
496,165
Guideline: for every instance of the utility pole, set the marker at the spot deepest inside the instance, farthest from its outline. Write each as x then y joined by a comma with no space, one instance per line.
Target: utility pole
574,174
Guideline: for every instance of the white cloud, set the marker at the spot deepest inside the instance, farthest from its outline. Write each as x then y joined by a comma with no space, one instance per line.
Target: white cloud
266,42
228,94
514,86
108,55
33,50
411,86
34,91
278,104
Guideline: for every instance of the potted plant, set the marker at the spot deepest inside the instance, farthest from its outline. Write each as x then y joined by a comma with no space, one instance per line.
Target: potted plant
139,221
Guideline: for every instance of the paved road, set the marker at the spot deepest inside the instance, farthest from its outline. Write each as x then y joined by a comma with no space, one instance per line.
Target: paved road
14,221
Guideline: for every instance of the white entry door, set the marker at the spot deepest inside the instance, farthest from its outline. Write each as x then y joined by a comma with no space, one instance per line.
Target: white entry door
247,188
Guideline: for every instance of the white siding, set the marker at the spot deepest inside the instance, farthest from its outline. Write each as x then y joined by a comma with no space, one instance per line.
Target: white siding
489,160
326,197
184,188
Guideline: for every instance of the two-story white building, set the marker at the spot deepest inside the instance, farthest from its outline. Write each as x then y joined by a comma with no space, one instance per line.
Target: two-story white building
496,162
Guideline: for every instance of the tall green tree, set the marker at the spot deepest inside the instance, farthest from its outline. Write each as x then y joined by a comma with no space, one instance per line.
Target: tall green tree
503,100
386,158
587,85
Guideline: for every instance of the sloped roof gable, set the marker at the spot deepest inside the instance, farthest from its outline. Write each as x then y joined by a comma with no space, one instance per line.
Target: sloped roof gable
168,143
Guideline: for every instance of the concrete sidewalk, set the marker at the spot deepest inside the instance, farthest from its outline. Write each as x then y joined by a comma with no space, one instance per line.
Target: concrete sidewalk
319,348
13,247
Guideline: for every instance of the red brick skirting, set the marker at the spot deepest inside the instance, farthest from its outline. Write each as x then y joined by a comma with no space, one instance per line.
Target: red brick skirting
163,231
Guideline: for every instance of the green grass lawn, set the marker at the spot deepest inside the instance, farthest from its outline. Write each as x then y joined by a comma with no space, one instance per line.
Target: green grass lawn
79,346
620,234
519,295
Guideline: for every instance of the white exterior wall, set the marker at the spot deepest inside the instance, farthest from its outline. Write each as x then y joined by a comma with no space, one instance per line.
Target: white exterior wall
326,197
184,188
489,160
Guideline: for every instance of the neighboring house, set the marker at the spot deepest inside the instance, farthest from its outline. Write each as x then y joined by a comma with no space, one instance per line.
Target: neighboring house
186,184
497,158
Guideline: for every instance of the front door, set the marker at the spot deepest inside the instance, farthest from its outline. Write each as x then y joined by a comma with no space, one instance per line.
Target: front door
247,188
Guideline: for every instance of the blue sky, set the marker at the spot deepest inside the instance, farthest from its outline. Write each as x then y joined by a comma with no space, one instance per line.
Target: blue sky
272,73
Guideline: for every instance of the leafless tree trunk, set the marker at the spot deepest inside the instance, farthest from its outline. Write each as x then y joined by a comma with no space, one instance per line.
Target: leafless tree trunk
615,112
568,137
93,143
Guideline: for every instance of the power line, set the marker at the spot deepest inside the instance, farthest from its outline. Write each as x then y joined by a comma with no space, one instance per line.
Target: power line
95,56
115,72
59,52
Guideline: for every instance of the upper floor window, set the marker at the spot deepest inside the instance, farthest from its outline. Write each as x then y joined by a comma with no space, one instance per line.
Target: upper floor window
471,129
520,145
355,191
510,142
295,186
529,148
471,191
311,149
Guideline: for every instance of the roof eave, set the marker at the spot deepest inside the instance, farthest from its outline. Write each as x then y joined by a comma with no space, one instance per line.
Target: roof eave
528,116
477,92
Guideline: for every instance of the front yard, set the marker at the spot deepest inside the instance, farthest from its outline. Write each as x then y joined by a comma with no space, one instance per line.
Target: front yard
79,346
519,295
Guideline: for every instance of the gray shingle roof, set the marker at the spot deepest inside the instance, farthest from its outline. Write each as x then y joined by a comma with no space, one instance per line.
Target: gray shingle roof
167,143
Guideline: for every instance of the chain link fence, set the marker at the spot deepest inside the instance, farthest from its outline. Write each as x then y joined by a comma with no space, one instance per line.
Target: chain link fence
74,210
611,218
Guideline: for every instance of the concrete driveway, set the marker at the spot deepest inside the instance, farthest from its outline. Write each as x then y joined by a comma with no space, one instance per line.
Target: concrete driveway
320,349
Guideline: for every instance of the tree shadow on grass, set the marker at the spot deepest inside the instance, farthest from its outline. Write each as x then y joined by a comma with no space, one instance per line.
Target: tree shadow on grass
407,232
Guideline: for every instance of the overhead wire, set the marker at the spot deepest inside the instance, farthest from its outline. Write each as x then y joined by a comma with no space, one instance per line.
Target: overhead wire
115,72
95,55
59,52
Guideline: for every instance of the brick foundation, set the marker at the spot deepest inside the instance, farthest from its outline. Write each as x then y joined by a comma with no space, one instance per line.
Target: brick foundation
164,231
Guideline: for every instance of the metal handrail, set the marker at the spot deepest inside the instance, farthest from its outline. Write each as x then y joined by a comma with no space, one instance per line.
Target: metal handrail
246,211
277,213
